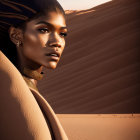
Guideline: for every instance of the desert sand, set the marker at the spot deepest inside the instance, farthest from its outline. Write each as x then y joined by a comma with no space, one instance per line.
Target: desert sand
95,88
101,126
100,67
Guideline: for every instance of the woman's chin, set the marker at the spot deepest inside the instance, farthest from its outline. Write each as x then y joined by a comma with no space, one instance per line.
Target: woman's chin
51,65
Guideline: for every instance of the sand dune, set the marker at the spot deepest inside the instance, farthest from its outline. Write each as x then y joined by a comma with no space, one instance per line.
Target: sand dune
101,127
100,66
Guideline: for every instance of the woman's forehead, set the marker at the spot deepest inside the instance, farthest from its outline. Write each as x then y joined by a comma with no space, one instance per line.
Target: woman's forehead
21,12
51,18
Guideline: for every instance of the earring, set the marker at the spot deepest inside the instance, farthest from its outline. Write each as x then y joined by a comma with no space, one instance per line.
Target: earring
18,43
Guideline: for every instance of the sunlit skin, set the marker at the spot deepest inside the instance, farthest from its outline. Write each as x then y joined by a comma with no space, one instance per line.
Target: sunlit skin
43,35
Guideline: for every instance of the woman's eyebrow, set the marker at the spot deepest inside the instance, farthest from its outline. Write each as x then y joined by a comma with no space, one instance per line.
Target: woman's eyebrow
49,24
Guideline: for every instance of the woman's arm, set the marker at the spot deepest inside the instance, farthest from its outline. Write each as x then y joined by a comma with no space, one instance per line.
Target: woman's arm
20,115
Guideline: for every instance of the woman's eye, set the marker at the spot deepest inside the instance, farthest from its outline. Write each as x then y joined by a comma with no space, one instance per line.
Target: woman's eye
63,34
43,30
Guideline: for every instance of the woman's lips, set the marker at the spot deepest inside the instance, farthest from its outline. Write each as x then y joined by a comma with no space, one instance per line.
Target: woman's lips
53,56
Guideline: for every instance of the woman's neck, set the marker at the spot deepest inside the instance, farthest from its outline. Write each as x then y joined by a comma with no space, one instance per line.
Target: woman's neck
29,69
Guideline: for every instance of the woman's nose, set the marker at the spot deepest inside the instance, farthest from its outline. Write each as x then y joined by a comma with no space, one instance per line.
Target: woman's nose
54,41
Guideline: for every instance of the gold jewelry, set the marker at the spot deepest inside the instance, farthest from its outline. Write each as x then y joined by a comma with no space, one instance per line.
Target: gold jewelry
18,43
33,74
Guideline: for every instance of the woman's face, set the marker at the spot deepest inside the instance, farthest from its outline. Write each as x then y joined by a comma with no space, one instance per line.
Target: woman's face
44,40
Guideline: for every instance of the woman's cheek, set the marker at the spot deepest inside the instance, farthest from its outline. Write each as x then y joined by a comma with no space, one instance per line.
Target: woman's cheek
31,43
63,45
32,37
31,51
43,38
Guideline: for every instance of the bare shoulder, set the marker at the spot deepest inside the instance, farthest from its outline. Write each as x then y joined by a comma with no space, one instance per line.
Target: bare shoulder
21,116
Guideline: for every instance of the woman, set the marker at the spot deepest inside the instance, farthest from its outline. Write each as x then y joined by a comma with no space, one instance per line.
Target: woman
32,37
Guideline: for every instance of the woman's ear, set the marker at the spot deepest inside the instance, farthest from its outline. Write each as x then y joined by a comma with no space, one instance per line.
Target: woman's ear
16,35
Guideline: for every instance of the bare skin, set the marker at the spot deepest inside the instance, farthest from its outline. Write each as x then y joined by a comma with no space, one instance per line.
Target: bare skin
43,35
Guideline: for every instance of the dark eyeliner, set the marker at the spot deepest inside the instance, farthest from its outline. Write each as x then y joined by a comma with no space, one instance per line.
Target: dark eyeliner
41,30
64,34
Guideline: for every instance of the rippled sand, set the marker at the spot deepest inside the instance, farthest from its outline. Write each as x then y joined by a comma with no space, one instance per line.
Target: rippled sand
99,73
100,67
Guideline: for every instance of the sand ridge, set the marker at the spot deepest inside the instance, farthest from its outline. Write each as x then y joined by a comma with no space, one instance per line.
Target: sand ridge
99,68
